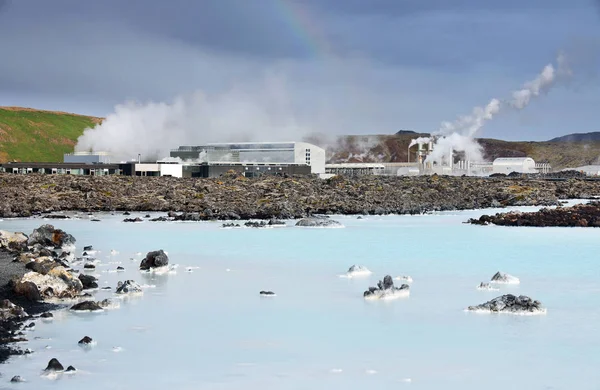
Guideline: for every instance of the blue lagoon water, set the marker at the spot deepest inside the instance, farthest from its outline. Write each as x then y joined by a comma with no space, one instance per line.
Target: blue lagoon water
210,329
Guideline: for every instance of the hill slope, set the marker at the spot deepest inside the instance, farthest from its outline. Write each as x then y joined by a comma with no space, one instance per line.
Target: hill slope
35,135
578,137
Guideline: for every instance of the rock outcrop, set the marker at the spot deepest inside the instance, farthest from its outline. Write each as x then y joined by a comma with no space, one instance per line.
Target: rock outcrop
57,283
154,259
128,286
510,304
48,236
357,270
486,286
582,215
88,281
87,306
504,278
13,242
236,198
54,365
9,310
318,222
386,290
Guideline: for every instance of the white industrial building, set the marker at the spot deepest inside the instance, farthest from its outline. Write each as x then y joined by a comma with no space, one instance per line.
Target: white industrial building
265,153
507,165
87,158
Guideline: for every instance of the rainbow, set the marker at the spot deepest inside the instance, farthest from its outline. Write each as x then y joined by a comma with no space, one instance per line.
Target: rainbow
303,27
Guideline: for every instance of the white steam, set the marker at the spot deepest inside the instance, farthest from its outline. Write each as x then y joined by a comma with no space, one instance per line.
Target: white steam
459,136
153,129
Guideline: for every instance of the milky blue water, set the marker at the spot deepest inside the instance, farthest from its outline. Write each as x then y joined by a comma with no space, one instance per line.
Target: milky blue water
210,329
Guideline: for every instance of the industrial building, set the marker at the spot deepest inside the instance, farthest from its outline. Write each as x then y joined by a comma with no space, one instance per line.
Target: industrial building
508,165
278,154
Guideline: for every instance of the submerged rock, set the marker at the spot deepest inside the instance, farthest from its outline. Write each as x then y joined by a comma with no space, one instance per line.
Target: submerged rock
54,365
230,225
511,304
358,270
47,315
267,293
128,286
86,306
154,259
386,290
318,222
137,219
486,286
47,235
504,278
17,379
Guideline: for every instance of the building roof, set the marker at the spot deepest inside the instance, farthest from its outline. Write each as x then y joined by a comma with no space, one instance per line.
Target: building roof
512,160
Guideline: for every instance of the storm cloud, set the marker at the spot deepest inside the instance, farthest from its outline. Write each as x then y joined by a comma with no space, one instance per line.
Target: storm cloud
339,67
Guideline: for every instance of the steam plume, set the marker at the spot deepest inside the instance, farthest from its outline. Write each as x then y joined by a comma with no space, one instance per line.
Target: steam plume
153,129
460,135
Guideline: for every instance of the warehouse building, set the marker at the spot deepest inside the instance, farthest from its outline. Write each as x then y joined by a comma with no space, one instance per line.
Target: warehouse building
279,154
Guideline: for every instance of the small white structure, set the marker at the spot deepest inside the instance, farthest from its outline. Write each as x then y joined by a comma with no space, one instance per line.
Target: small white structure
87,158
507,165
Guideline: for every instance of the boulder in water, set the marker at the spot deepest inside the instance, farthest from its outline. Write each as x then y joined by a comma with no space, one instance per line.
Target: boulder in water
54,365
486,286
318,222
17,379
47,235
386,290
88,248
510,304
267,293
70,369
154,259
86,340
88,281
128,286
86,306
504,278
357,270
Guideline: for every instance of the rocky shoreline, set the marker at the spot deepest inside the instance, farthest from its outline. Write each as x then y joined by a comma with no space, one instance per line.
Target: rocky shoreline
233,197
581,215
37,275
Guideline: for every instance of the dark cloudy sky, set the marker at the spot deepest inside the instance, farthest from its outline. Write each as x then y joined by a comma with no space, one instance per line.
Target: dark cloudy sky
340,66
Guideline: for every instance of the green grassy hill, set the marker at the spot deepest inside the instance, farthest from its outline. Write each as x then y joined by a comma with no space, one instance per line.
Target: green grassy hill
36,135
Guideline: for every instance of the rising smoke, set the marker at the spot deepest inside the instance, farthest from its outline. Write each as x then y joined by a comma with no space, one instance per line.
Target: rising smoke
459,136
152,129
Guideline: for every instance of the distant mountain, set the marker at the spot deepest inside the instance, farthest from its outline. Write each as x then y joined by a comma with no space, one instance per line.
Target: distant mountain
400,132
578,137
